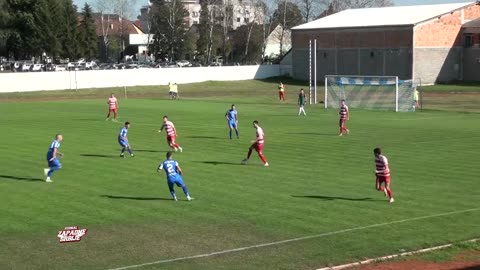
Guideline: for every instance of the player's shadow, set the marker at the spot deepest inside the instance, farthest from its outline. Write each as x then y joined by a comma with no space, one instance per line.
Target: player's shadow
11,177
149,151
333,198
97,156
218,162
312,133
205,137
135,198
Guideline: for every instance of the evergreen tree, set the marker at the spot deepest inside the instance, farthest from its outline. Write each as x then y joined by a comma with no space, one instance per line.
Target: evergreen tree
69,38
87,33
169,28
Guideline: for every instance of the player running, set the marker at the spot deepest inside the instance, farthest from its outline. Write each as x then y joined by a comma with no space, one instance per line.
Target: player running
257,145
171,134
344,117
112,107
123,140
174,176
382,172
53,162
232,120
301,102
281,91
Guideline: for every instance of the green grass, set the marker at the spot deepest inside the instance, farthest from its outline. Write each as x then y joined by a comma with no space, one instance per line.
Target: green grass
317,183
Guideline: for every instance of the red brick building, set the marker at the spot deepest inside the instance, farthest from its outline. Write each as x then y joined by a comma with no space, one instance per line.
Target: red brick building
425,42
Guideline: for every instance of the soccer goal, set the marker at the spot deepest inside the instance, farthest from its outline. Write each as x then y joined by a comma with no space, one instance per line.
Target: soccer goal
370,92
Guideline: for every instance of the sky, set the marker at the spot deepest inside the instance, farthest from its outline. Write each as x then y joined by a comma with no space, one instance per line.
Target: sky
141,3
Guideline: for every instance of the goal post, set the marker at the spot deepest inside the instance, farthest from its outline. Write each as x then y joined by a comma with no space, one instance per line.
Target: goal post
370,92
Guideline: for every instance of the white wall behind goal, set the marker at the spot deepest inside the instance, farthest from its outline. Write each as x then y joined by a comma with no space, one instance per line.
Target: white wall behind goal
67,80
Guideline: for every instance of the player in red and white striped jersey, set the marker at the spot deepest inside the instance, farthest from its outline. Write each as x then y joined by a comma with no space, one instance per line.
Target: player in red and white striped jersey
257,145
382,172
112,107
171,134
344,117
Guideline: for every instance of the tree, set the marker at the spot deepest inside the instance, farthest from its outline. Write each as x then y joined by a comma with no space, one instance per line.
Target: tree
69,37
248,52
309,8
169,28
256,16
206,29
88,34
334,6
5,21
287,15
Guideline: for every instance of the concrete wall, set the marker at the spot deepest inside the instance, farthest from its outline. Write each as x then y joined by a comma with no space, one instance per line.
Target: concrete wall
29,81
438,65
471,64
365,61
380,51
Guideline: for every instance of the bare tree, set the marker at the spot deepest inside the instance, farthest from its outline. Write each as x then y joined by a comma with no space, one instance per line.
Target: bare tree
207,26
310,9
255,11
334,6
105,8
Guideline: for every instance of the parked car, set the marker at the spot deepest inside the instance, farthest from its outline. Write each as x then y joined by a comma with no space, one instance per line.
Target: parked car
26,66
36,67
60,68
183,63
50,67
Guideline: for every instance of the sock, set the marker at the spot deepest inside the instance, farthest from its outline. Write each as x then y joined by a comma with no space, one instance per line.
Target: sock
390,193
236,131
130,151
52,170
123,150
172,191
185,190
230,133
249,153
176,145
262,157
115,115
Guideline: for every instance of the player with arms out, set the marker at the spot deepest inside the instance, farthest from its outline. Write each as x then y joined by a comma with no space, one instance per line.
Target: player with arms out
232,120
123,140
53,162
301,102
171,134
174,176
112,107
382,172
257,145
344,117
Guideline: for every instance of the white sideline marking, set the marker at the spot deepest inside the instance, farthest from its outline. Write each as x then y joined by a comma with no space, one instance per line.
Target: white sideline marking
389,257
291,240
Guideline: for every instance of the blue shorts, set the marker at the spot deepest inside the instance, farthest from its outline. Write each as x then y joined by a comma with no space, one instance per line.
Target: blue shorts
54,163
232,124
175,181
122,142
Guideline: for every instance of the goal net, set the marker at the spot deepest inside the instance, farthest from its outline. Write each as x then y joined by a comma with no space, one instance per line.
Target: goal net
370,92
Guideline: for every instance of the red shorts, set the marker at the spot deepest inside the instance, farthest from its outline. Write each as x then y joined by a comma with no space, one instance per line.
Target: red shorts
342,122
171,138
258,147
112,110
383,179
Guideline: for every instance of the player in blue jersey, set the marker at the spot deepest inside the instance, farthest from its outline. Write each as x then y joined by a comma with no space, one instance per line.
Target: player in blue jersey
174,176
232,120
53,162
123,140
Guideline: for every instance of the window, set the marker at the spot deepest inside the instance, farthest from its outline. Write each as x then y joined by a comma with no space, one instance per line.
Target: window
247,20
467,40
238,19
195,22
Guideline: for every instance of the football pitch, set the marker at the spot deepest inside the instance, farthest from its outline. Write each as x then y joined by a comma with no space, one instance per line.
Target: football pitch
315,206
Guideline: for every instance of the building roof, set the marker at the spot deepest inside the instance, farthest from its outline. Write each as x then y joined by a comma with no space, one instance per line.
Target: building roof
384,16
116,26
